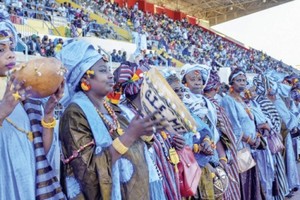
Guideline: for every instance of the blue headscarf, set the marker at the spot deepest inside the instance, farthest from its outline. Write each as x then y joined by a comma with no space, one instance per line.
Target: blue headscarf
78,56
8,33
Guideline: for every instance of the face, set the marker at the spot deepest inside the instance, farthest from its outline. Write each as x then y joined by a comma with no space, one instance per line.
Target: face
178,89
239,83
194,81
102,82
7,58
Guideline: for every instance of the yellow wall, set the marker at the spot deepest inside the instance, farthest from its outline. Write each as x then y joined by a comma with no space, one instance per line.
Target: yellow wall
124,33
37,25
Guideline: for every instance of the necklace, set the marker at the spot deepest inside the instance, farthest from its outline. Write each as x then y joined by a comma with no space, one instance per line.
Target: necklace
246,107
115,125
29,134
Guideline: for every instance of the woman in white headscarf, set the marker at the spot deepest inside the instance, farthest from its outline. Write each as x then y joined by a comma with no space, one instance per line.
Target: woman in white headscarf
195,77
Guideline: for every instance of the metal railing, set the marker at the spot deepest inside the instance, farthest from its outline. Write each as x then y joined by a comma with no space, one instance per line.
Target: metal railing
25,47
24,29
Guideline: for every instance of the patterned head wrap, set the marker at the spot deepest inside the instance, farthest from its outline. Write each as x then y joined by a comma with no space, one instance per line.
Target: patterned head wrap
77,56
291,79
8,33
264,85
213,82
236,72
128,80
295,94
204,70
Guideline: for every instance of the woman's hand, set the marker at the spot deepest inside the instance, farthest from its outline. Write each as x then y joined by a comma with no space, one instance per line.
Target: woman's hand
52,102
178,141
144,126
206,148
15,92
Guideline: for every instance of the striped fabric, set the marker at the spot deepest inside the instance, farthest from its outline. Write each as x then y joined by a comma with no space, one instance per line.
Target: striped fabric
281,177
272,114
224,125
47,184
171,180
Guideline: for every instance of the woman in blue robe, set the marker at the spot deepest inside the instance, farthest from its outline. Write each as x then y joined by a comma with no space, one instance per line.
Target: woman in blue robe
277,92
26,172
244,128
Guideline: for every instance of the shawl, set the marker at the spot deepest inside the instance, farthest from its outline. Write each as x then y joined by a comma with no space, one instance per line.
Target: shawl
47,184
225,127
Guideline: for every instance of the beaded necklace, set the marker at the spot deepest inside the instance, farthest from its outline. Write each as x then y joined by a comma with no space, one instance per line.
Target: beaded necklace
29,134
246,107
115,125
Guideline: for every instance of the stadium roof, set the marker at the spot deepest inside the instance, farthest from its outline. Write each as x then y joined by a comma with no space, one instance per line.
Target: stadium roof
218,11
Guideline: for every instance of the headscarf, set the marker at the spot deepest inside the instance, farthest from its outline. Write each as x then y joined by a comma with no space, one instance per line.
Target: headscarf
195,102
77,56
291,79
295,94
128,80
236,72
204,69
8,33
213,82
265,85
262,84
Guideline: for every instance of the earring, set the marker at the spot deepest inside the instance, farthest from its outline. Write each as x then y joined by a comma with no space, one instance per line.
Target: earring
231,89
85,87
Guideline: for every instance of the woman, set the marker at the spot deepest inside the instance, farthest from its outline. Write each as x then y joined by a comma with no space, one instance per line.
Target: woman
277,93
103,156
225,127
244,128
128,78
26,132
263,87
195,77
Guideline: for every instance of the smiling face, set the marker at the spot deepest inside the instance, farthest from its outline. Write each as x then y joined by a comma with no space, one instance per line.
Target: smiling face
194,81
7,58
102,81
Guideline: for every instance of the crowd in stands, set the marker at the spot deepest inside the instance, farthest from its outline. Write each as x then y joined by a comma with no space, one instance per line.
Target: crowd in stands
185,42
177,39
240,141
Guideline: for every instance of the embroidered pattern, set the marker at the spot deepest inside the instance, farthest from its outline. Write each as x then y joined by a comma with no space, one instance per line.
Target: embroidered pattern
73,187
126,170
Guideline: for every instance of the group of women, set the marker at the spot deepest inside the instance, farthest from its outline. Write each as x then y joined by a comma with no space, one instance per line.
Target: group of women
110,149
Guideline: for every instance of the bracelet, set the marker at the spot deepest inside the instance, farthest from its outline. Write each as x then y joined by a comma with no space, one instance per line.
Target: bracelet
213,145
258,135
206,140
224,159
147,138
119,146
50,124
196,148
248,140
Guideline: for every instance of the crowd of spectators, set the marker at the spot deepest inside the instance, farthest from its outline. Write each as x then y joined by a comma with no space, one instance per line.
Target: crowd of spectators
177,39
186,42
44,46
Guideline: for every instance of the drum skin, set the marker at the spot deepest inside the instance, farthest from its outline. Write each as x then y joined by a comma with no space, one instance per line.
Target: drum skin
157,95
44,75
